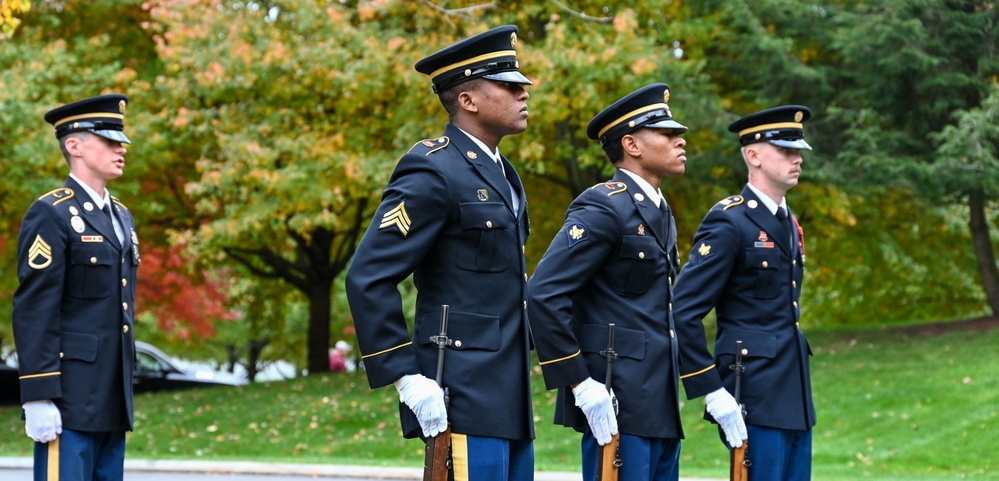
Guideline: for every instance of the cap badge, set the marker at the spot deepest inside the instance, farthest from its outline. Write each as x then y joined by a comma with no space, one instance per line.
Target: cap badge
472,155
641,229
39,248
482,194
121,106
513,39
798,115
397,217
666,96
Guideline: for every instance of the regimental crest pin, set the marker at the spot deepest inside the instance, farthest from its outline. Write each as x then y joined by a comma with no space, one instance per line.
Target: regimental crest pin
482,195
472,155
641,229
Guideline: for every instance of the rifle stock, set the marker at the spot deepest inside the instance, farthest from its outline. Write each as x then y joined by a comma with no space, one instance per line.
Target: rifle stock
608,463
609,460
740,469
739,465
437,454
435,459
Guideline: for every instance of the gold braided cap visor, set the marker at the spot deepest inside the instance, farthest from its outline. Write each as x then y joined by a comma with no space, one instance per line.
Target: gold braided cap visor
775,126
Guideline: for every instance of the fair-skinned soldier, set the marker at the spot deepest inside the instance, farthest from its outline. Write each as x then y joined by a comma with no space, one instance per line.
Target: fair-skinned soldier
746,262
73,309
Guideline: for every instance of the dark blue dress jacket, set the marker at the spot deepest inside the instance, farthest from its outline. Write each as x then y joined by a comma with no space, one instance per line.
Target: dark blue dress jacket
73,310
447,219
743,267
612,262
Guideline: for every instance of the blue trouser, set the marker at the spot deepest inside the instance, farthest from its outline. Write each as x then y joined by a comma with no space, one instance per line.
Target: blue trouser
478,458
81,456
778,454
652,459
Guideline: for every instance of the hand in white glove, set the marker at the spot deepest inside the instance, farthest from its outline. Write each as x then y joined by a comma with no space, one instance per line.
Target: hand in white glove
42,420
426,399
722,406
595,402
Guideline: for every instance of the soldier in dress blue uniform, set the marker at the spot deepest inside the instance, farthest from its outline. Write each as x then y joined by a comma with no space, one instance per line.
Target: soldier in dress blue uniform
454,215
746,262
73,310
614,261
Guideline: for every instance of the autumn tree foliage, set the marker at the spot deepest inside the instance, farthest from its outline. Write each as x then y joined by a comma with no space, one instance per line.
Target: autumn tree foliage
185,306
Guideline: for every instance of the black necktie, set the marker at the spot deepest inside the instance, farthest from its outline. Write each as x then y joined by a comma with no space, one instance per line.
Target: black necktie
664,209
107,212
784,222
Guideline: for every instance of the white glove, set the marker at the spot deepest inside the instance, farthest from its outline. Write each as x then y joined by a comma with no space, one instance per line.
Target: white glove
426,399
595,402
722,406
42,421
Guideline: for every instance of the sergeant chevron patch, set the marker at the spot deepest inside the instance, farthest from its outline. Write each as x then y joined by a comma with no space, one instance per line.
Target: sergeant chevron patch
39,248
397,217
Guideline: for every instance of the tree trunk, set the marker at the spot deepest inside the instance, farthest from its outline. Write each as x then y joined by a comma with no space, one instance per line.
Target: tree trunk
983,250
318,341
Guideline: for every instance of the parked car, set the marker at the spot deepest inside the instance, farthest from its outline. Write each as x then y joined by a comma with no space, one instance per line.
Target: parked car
154,371
10,388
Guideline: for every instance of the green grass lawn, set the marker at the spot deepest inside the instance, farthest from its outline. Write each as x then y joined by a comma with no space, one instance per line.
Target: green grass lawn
890,407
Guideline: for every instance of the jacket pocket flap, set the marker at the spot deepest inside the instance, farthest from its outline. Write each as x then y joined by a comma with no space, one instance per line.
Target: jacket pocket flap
638,247
466,330
754,343
484,215
628,343
79,346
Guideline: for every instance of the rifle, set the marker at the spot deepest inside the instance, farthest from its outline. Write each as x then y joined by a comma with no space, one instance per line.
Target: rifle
609,462
436,457
739,464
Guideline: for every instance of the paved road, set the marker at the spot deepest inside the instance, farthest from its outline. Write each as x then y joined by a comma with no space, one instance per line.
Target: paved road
19,469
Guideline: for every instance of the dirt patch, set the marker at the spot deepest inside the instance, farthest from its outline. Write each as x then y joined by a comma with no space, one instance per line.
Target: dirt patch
971,325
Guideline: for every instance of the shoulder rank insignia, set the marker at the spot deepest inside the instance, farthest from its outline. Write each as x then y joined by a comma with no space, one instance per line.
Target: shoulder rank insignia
39,254
59,195
577,233
730,202
612,187
397,217
434,144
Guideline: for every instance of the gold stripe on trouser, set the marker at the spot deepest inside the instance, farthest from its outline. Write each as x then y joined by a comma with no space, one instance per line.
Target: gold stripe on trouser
459,456
53,460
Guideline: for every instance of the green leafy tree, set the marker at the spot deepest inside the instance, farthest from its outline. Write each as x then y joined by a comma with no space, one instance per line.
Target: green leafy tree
290,114
904,69
9,12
